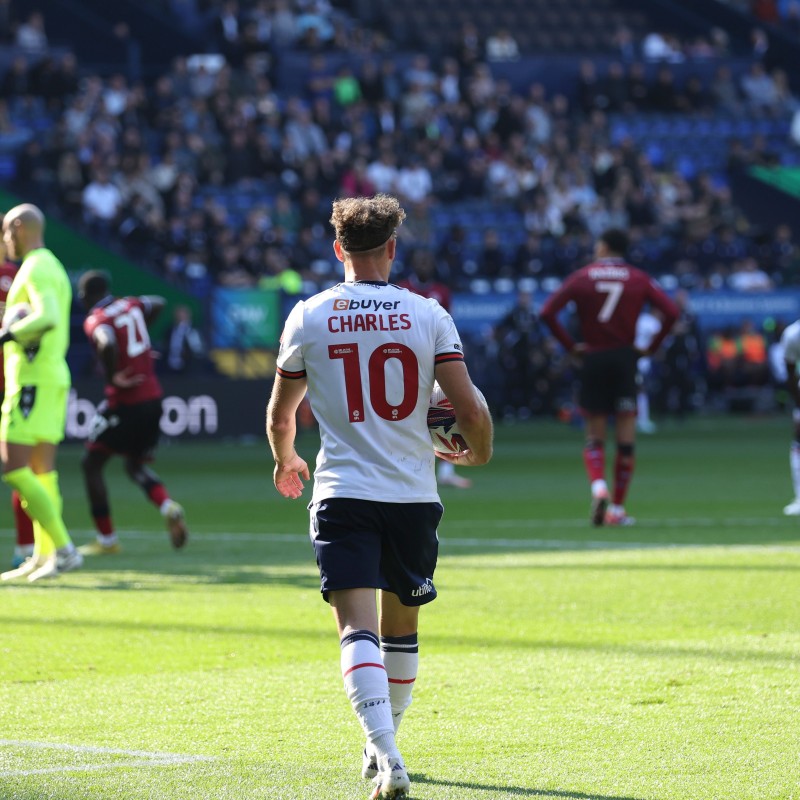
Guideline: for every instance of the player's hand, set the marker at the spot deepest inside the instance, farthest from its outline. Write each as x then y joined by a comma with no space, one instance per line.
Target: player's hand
6,336
287,477
126,379
464,458
578,351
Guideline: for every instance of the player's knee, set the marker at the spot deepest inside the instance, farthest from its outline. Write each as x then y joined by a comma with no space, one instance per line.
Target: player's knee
137,472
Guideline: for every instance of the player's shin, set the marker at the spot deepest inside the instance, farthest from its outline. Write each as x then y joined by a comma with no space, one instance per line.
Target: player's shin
50,533
367,688
401,659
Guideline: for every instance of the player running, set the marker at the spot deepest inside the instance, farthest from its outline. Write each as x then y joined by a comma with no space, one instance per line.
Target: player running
609,294
127,421
367,352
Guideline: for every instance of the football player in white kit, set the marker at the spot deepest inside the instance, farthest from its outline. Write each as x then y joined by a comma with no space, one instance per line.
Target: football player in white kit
790,343
367,352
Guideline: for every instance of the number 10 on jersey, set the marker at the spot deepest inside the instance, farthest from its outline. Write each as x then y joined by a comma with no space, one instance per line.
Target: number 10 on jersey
377,388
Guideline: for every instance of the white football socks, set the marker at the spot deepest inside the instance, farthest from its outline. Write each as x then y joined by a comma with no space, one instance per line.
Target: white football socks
367,688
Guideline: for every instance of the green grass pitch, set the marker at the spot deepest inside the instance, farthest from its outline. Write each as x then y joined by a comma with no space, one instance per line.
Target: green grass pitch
658,662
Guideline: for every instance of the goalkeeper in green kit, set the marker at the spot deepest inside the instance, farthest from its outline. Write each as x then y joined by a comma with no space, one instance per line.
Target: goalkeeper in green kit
35,338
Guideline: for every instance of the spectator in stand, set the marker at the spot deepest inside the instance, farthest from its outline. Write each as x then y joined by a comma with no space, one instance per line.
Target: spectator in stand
683,359
749,277
383,172
524,363
102,204
722,357
356,182
31,35
754,366
184,344
501,46
414,184
759,88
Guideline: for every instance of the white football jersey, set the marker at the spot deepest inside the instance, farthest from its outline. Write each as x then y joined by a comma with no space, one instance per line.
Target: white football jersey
368,350
790,343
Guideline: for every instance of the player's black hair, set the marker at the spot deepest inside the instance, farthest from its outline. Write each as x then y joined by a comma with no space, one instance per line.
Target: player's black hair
616,240
94,283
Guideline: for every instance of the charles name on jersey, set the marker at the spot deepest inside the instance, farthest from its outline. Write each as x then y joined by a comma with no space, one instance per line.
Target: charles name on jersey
351,323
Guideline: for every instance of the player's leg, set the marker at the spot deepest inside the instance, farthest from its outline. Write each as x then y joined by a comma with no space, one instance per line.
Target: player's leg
32,425
93,465
793,509
365,676
139,440
623,469
30,469
347,541
24,528
596,402
400,651
155,491
625,407
594,461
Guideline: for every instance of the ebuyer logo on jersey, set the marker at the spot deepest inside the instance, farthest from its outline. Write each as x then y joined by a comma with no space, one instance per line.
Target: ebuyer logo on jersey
365,305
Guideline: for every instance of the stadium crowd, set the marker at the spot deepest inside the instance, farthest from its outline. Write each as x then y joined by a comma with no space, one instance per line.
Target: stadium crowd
211,173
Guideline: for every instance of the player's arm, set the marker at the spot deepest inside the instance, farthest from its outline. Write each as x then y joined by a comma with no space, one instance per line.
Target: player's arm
152,306
669,312
105,344
44,316
472,413
287,394
549,315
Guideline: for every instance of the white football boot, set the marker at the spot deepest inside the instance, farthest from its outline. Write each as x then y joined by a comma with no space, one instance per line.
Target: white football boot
391,781
793,509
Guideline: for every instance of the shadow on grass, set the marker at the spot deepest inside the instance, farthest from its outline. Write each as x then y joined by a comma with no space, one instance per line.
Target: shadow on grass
516,791
289,633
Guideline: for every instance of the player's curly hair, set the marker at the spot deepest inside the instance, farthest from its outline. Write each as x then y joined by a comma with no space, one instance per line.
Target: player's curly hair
366,223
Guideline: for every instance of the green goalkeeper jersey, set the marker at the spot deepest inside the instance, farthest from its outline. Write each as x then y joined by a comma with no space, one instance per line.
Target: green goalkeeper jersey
38,354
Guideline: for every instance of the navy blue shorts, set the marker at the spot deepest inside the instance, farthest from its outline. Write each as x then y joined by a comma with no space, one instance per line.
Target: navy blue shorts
365,544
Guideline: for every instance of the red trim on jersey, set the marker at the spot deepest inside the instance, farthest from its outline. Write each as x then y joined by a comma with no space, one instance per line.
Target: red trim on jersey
292,376
395,680
365,664
443,358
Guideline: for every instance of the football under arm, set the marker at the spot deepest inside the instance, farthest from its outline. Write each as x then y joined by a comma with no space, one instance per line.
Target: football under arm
287,394
472,413
43,317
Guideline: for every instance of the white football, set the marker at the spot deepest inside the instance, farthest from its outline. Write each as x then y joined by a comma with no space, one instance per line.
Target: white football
15,313
442,425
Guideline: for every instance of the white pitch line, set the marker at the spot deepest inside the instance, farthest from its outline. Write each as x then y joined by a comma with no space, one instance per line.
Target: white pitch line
506,543
143,758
